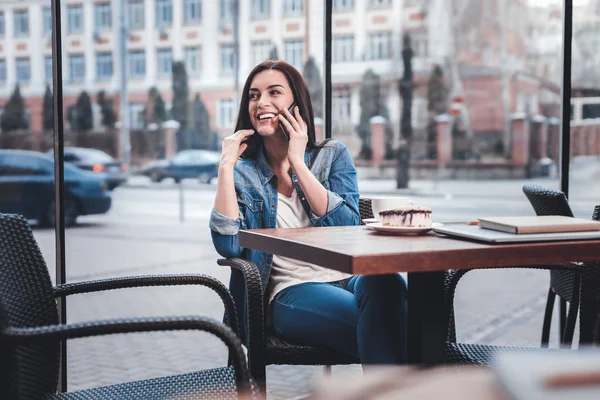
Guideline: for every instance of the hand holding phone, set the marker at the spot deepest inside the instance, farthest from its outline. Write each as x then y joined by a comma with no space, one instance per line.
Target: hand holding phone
291,110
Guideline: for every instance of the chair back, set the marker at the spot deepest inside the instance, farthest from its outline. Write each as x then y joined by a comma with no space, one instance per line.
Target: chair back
26,300
364,208
547,201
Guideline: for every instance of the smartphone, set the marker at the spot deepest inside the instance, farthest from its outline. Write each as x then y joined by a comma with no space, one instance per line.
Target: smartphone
291,110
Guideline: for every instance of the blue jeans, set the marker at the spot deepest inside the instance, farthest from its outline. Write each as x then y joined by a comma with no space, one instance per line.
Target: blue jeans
363,316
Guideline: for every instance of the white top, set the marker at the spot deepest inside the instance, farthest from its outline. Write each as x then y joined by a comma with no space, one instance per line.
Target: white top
286,271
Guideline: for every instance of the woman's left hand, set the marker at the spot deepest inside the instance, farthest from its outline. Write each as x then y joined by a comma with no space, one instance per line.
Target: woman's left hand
298,131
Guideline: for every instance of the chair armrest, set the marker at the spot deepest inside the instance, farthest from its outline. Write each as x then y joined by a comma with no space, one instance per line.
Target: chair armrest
254,310
106,327
68,289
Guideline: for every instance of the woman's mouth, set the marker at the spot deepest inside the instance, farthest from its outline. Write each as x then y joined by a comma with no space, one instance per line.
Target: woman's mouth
264,119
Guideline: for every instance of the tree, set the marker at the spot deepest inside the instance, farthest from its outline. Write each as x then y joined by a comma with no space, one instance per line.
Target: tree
179,111
370,100
79,115
154,110
109,116
48,111
315,85
437,103
406,93
13,117
201,124
274,55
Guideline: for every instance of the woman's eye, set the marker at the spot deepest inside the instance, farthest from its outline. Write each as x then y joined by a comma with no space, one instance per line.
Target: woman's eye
253,95
274,92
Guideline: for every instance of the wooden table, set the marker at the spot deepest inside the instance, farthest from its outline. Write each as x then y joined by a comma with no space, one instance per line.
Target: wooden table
361,251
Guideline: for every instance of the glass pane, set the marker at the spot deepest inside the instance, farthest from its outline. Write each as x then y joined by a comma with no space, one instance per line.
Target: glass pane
585,110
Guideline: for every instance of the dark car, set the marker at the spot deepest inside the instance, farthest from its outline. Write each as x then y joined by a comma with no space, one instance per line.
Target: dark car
27,188
201,164
97,161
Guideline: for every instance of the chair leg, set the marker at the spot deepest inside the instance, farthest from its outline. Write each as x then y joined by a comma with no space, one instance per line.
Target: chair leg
570,326
548,318
562,309
327,370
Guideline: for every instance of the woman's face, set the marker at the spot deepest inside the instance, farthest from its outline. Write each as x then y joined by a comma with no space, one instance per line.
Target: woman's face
269,93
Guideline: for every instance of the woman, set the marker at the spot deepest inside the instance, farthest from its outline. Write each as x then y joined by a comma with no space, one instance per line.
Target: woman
296,183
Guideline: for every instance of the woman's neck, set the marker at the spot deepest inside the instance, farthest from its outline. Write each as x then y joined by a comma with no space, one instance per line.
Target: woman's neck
276,149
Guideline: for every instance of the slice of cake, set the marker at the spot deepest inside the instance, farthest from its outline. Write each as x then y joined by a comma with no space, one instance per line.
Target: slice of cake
408,217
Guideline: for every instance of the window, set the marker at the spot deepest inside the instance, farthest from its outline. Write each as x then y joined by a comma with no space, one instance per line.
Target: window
104,66
227,58
341,100
164,13
379,46
293,50
137,64
164,58
76,68
21,20
136,115
379,3
343,48
192,11
225,113
419,112
23,70
341,5
2,24
74,19
192,60
2,71
135,14
226,10
420,45
48,69
261,51
102,15
47,16
260,8
292,7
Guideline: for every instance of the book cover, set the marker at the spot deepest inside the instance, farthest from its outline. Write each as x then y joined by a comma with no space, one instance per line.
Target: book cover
539,224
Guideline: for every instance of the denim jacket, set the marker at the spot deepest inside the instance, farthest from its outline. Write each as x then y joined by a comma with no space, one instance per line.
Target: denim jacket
256,191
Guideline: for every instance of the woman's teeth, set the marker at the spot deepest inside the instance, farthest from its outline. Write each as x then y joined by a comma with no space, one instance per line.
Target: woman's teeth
265,116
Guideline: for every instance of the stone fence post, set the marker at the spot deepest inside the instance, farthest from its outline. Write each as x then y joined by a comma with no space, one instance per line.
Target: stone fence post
520,139
444,139
319,132
170,131
377,139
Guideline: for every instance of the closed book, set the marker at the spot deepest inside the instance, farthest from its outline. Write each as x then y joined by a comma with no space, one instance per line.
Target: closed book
539,224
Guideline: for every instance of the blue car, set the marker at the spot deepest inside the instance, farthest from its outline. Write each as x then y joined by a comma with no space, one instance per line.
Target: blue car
200,164
27,188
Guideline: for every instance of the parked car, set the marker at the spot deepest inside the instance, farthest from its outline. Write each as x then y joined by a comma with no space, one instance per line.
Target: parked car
27,188
96,161
201,164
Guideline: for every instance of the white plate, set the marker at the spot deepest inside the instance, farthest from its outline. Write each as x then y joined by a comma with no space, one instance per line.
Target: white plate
400,230
370,220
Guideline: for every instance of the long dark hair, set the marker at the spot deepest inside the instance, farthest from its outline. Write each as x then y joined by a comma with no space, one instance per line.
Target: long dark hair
301,97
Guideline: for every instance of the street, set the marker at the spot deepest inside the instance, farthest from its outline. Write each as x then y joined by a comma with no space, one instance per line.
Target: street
143,234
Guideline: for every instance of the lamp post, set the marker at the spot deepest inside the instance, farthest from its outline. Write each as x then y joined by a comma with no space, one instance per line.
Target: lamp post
123,33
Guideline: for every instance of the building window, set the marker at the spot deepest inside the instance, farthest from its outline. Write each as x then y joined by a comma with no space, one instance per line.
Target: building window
343,48
2,72
379,46
227,58
48,69
76,68
2,24
192,11
164,12
341,100
420,45
104,66
293,50
74,19
47,16
192,60
135,14
292,7
379,3
23,70
226,10
261,51
21,20
164,58
225,113
102,16
137,64
342,5
260,8
136,115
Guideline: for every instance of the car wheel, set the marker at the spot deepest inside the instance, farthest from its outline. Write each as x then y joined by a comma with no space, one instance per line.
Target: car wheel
204,177
177,180
155,176
71,212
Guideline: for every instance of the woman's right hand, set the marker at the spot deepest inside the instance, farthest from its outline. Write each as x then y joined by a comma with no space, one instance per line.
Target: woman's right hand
233,147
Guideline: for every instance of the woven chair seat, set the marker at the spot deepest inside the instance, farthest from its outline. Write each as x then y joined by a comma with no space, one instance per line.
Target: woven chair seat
481,354
278,351
217,384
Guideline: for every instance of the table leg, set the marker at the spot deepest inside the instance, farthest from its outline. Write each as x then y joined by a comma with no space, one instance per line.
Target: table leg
427,329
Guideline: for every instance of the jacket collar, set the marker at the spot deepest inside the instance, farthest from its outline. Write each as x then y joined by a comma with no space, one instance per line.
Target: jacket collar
264,170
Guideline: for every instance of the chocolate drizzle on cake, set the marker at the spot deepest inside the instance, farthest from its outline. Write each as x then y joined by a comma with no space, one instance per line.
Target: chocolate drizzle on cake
406,213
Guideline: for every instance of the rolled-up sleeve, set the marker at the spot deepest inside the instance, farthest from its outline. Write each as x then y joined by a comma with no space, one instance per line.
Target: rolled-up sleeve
224,231
342,196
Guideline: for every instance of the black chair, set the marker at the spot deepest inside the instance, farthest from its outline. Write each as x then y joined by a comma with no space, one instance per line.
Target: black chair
583,288
264,347
30,332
